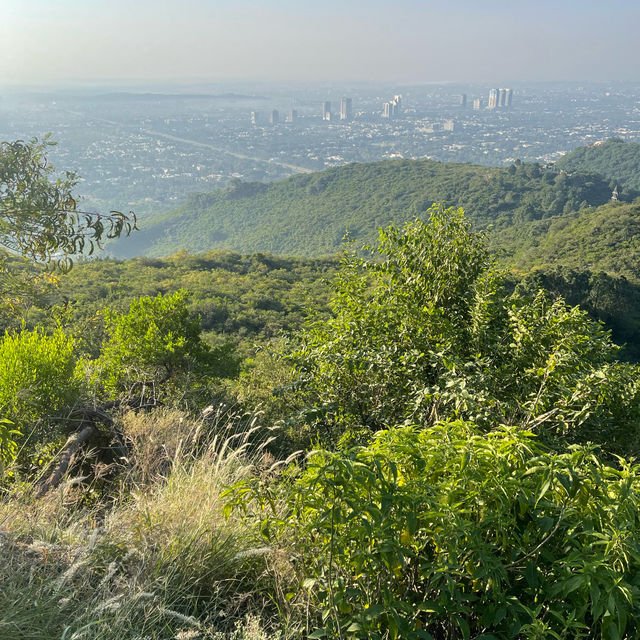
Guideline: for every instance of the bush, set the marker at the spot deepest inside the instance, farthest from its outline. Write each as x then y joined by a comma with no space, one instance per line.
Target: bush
426,330
155,343
450,532
38,383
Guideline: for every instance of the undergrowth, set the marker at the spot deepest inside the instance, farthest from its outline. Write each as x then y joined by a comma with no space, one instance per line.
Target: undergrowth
154,558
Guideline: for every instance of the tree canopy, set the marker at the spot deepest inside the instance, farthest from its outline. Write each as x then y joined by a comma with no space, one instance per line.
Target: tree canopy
307,215
425,328
614,159
39,215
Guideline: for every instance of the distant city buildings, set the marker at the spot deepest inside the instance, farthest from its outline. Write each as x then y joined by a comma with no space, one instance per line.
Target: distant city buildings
552,119
345,109
326,110
500,98
274,118
463,101
293,116
508,97
448,125
392,108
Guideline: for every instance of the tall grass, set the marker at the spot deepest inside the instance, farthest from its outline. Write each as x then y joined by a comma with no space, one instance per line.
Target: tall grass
157,559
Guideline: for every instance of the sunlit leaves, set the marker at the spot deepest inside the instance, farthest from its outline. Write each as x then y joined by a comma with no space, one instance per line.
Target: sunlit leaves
38,383
39,216
426,329
153,342
429,529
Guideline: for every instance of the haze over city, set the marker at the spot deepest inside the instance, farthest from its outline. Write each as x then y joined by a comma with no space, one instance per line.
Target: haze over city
76,42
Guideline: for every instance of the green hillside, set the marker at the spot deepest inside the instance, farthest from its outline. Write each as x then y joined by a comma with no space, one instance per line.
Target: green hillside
407,442
606,238
307,215
248,300
615,159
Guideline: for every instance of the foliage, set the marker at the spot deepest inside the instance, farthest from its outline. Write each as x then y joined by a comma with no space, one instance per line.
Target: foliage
239,299
614,301
39,220
603,239
449,532
615,159
253,299
425,330
155,341
155,558
308,215
494,517
39,217
38,383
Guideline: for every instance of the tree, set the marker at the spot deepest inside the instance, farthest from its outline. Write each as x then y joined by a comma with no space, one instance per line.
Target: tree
426,330
39,220
154,346
39,217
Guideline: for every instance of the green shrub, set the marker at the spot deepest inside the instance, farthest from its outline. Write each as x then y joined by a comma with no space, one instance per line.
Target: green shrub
449,532
426,330
155,343
38,383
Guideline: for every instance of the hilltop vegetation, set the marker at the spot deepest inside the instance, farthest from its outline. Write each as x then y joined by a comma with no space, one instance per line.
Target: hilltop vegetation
453,490
240,299
308,215
249,300
602,239
229,447
616,160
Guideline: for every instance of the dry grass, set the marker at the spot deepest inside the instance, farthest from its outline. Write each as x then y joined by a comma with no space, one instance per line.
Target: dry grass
159,560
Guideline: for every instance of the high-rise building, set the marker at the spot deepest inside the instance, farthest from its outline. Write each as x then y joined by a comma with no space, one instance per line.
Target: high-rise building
293,116
326,110
448,125
463,101
392,108
255,118
477,104
508,95
274,117
345,109
500,98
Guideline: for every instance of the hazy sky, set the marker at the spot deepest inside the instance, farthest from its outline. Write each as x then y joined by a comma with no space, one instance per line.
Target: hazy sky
57,41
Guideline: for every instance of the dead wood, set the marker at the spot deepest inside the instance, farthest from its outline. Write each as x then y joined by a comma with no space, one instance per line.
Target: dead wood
90,419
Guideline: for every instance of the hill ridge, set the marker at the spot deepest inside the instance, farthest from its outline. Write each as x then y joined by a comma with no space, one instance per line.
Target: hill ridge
307,215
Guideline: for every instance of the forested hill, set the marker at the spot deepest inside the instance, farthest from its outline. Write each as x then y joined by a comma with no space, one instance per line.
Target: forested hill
307,215
603,239
615,159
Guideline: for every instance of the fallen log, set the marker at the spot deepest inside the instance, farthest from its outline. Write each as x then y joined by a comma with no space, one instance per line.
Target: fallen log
90,419
74,442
